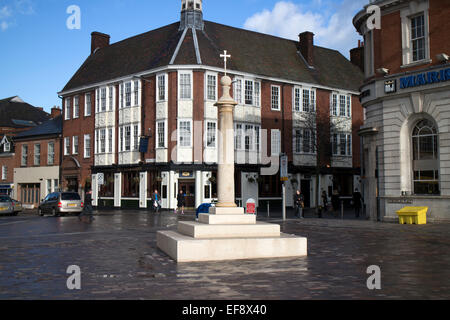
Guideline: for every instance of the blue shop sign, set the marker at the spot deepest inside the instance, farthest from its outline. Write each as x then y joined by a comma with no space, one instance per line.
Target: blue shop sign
425,78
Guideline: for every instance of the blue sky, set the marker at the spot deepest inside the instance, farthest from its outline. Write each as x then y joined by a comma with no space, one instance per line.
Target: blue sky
39,54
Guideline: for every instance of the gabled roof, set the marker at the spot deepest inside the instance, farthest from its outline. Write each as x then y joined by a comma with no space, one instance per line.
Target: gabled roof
14,113
50,127
252,52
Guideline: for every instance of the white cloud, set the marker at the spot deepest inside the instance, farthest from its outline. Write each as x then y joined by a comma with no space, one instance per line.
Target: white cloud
5,12
4,25
333,30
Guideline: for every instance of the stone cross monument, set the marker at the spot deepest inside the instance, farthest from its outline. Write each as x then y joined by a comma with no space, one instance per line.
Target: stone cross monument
226,232
225,172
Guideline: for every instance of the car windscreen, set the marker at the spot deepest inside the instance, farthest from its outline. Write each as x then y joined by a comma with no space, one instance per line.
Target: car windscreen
70,196
5,199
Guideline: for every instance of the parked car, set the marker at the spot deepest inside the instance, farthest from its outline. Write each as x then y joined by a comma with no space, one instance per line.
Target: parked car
17,206
61,203
6,205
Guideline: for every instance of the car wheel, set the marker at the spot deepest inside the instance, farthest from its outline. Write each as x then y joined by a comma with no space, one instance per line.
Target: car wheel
40,212
54,213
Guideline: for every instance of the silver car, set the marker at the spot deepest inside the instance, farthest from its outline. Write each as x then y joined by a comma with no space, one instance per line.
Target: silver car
6,205
61,203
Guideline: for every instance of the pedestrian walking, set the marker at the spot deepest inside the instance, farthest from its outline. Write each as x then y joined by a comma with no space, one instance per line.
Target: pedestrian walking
335,201
357,202
299,203
87,210
156,201
324,199
181,201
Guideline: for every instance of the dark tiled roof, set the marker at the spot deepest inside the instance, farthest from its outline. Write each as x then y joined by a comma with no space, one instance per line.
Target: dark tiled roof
252,52
50,127
15,113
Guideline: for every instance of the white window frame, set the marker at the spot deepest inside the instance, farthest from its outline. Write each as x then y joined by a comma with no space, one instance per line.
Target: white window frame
136,93
110,139
275,98
4,173
111,98
50,155
297,102
128,94
334,105
75,138
207,131
7,147
37,154
275,145
181,93
238,90
312,100
87,151
76,107
159,77
407,14
238,134
66,146
337,145
158,124
136,135
179,133
67,107
87,105
24,156
207,86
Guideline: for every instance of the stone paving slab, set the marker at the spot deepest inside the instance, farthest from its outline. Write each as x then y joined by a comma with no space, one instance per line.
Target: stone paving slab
119,259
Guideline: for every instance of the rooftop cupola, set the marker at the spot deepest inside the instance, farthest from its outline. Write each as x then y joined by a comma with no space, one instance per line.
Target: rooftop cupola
191,14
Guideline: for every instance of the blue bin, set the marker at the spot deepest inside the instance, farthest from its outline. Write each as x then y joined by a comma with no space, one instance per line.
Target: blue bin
203,208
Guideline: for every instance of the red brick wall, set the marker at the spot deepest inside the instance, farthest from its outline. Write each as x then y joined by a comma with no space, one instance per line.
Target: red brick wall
172,112
358,121
44,152
198,114
388,40
150,116
79,127
9,162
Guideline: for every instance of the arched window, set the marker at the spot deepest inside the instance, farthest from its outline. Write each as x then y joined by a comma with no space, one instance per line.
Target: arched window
425,141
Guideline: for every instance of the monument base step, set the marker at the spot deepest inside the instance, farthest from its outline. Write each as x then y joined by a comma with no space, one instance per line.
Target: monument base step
202,231
227,219
183,248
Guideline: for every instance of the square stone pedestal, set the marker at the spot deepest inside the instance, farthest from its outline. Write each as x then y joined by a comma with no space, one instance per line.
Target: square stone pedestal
229,235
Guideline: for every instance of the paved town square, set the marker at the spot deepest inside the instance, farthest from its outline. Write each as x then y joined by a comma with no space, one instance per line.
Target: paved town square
118,258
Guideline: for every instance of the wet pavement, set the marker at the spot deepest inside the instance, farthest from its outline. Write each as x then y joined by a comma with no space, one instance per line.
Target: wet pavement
118,258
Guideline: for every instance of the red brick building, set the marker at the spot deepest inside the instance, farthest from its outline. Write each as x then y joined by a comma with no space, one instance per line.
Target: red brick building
15,116
151,122
37,162
406,98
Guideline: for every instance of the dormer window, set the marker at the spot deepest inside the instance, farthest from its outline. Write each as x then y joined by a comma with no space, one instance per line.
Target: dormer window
7,147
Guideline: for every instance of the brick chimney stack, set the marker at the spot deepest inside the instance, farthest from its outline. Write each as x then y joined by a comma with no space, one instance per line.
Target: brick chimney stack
99,40
307,46
357,55
56,112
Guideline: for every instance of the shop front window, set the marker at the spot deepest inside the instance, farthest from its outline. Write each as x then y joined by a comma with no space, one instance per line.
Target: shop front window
425,141
130,184
107,189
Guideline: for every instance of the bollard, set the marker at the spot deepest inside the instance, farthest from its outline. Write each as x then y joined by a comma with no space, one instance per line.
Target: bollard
342,210
268,210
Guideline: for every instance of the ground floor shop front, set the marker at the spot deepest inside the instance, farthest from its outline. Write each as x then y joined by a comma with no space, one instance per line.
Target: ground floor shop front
31,185
134,187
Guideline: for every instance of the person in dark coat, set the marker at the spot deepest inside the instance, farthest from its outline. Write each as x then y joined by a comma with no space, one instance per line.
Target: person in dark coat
299,203
87,210
181,202
335,201
357,202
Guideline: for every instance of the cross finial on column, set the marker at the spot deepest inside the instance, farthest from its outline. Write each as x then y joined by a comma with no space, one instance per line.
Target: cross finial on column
225,56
